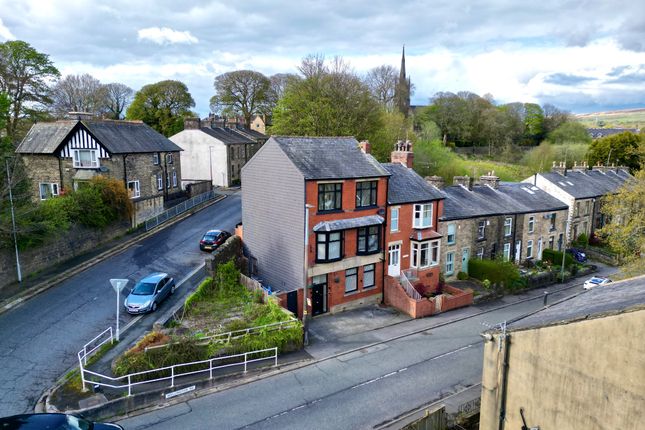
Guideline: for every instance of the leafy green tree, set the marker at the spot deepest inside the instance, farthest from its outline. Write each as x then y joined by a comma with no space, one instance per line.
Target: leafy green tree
242,92
395,126
25,75
163,106
622,149
330,100
534,123
569,132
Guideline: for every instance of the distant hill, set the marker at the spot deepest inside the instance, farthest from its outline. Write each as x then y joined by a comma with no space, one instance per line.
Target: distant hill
627,118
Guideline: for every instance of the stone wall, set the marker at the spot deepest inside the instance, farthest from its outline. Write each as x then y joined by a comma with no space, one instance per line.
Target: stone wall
232,248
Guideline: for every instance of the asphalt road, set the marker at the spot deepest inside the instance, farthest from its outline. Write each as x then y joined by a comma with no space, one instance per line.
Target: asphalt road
360,389
39,339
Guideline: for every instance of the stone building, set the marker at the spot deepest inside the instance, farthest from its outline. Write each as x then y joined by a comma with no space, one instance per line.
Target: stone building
578,364
62,155
515,221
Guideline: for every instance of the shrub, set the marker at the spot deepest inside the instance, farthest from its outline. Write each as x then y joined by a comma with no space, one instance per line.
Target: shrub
582,241
555,258
498,272
462,276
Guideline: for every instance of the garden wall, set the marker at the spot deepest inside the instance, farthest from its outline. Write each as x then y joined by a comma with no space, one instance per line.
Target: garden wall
457,298
396,297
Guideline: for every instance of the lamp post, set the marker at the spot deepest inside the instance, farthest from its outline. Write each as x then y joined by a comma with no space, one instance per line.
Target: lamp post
118,285
306,277
210,163
13,220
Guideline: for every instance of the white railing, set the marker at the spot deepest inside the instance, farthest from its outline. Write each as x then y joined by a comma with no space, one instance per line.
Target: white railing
174,373
84,353
409,289
412,272
179,209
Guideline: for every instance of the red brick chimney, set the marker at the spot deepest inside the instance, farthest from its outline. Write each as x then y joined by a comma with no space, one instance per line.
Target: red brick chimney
403,153
365,146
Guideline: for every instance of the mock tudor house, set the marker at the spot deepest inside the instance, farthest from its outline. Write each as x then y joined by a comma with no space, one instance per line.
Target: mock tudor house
63,155
313,211
214,152
515,221
581,189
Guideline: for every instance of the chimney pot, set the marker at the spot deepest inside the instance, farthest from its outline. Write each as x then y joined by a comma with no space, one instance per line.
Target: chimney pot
436,181
365,146
490,179
465,181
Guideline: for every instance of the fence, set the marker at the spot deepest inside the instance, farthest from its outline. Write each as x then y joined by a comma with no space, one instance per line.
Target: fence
179,209
83,354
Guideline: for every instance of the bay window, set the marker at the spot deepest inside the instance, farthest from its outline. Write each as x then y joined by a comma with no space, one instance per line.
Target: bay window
425,254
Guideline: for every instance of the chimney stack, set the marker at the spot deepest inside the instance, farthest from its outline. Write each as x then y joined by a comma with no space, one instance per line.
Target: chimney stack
365,146
490,179
192,123
601,168
436,181
403,153
582,167
465,181
560,168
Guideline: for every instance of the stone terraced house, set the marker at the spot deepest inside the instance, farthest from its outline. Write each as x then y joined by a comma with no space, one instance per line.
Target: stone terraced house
62,155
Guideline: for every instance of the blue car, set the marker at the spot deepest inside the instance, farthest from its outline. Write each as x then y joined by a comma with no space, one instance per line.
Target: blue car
578,255
149,292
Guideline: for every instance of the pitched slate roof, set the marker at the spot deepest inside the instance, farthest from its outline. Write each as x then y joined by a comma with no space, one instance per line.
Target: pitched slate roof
406,186
602,132
509,198
253,134
226,135
348,223
118,137
329,157
591,183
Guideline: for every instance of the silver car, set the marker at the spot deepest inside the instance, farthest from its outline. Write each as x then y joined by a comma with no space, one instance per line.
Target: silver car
149,292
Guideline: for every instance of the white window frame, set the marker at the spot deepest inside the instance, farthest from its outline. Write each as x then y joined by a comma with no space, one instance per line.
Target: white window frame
155,158
52,188
136,189
168,180
431,249
508,226
529,249
174,179
421,209
450,263
453,227
94,158
481,227
394,219
159,182
480,252
169,158
531,226
507,251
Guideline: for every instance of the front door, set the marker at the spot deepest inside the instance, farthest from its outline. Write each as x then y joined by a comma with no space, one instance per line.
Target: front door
394,260
319,295
518,251
292,302
465,256
539,253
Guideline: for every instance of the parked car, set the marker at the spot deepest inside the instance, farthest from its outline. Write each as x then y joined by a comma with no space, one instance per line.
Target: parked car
595,281
52,422
212,239
149,292
578,255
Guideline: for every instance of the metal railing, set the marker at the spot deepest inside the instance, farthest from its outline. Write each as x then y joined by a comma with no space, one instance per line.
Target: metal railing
411,273
179,209
174,371
407,286
83,354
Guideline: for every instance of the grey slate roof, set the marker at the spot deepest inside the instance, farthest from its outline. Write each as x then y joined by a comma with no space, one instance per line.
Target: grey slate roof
118,137
509,198
613,298
329,157
345,224
602,132
254,134
406,186
226,135
591,183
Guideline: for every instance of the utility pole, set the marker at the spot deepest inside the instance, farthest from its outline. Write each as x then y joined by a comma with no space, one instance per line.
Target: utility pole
13,221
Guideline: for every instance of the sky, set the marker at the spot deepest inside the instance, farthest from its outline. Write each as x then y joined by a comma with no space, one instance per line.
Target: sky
582,56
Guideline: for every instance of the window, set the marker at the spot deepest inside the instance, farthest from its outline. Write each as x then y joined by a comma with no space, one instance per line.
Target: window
552,220
587,207
551,242
159,182
174,178
425,254
330,197
134,189
493,251
366,194
507,251
584,227
394,220
450,263
422,216
155,158
85,158
481,230
48,190
167,180
531,224
576,211
529,249
508,226
328,246
368,276
169,158
368,240
452,229
480,253
351,278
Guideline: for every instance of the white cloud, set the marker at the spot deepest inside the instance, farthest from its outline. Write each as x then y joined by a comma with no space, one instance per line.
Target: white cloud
164,35
4,32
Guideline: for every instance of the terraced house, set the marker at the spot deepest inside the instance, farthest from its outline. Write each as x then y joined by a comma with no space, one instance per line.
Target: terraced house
62,155
313,212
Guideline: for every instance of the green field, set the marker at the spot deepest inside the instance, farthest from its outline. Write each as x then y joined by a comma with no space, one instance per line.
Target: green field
630,118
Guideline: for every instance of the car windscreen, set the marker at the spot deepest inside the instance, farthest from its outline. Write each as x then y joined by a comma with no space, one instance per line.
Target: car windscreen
143,289
210,237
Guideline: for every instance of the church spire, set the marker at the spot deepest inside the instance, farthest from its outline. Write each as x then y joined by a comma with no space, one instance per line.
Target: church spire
402,93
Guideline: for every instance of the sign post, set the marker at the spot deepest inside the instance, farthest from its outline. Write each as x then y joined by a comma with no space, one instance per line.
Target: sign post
118,285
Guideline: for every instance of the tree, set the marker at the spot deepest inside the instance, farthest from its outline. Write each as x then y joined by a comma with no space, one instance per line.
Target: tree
163,106
25,75
569,132
534,123
554,117
624,233
621,149
330,100
242,92
117,98
279,84
382,81
395,127
78,93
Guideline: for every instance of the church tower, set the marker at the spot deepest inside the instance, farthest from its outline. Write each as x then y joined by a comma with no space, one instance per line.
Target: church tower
402,93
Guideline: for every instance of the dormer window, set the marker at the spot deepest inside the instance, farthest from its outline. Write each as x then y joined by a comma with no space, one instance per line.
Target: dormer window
86,158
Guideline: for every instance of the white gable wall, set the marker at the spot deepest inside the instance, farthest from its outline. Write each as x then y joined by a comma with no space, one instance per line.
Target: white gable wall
203,157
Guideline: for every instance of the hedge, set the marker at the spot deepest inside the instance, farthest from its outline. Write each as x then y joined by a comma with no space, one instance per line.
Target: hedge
555,258
498,272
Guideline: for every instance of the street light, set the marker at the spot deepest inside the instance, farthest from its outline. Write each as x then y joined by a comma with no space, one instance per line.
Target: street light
210,162
13,220
118,285
306,277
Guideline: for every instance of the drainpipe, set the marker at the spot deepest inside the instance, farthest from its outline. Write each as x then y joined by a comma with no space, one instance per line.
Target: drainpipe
60,173
514,243
505,340
385,232
165,177
125,172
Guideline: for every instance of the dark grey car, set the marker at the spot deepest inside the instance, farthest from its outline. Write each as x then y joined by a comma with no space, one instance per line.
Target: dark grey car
149,292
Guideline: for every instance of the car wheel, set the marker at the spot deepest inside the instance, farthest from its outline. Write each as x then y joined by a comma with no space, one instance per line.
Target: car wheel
153,307
172,289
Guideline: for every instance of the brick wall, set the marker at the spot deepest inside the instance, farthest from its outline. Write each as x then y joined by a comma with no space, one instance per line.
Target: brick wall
457,299
396,297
